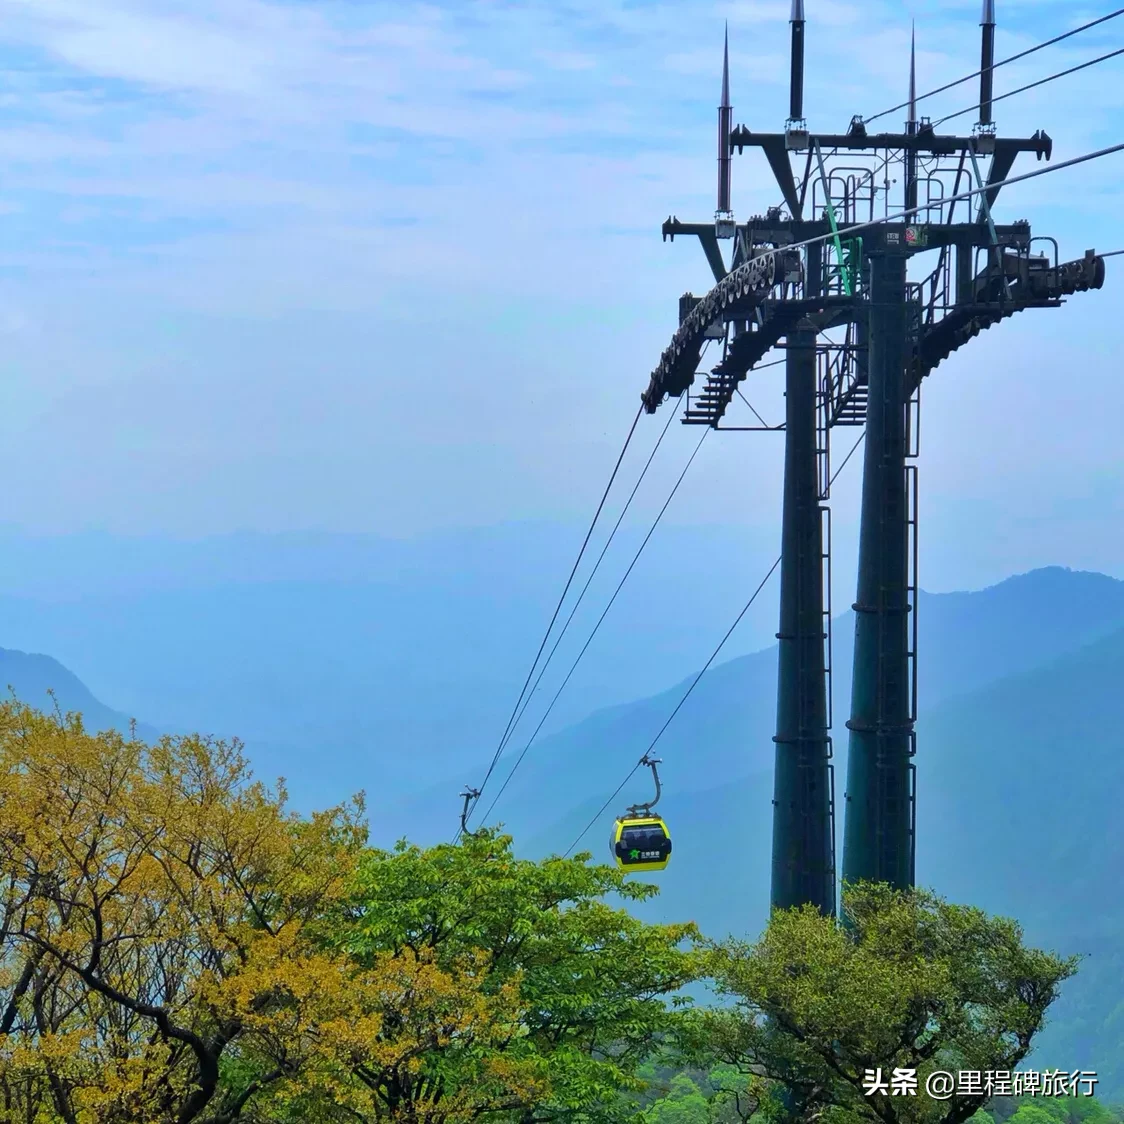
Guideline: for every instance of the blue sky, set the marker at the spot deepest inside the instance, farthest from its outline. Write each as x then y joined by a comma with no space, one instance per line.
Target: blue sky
397,268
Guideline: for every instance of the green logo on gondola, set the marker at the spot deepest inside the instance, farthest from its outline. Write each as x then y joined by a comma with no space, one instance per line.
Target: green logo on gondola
634,854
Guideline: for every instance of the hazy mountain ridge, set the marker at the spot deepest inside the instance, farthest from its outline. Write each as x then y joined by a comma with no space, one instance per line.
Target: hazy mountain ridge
291,640
352,662
726,726
43,682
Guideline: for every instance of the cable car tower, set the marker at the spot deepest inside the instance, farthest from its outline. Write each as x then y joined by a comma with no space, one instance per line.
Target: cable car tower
900,297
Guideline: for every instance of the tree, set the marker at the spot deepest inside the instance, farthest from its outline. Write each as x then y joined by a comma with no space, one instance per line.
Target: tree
1062,1110
1034,1114
911,982
715,1097
598,987
684,1103
432,1052
157,961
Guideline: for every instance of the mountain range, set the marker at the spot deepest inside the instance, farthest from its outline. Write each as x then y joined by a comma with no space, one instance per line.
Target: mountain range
355,661
44,683
1020,775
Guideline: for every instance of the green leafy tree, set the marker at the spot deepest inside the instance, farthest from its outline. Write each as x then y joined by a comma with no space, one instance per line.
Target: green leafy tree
1088,1110
1061,1110
730,1096
684,1103
1036,1114
598,988
911,982
733,1094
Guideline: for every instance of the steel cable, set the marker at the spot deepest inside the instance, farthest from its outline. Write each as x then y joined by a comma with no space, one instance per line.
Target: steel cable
592,574
597,626
554,617
1002,62
1032,85
695,682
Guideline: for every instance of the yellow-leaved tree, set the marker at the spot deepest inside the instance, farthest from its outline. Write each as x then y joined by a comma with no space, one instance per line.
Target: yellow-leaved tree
156,960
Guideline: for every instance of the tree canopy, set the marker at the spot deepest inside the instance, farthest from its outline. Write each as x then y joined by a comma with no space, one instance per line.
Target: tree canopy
600,988
176,947
908,982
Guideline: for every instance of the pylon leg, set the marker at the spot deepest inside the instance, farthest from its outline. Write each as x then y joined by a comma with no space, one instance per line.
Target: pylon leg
877,836
802,827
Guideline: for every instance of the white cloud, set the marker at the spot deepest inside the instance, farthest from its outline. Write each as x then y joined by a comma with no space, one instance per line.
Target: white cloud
459,205
124,41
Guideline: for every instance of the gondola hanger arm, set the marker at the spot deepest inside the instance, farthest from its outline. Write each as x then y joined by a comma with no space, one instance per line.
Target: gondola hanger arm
645,809
469,794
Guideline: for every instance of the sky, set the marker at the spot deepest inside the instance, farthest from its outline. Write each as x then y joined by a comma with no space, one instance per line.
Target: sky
394,268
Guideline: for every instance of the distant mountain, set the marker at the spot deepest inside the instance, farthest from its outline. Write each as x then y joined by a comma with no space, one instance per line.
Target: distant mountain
1021,623
724,731
1021,815
41,682
349,661
354,661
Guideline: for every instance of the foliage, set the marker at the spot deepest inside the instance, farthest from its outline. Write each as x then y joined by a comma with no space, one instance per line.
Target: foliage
434,1052
177,947
684,1103
673,1095
156,961
714,1096
908,982
598,987
1061,1110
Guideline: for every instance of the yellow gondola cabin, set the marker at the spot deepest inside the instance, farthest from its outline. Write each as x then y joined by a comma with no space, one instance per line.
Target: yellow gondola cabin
640,840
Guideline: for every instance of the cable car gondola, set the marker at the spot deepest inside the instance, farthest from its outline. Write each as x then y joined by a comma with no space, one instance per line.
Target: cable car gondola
640,840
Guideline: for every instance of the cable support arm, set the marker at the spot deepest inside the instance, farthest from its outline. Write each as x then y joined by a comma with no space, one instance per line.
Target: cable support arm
468,794
749,284
924,140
